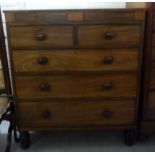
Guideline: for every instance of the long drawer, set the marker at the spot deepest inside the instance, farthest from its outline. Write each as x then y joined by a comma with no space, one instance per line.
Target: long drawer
31,37
48,114
76,86
109,36
75,60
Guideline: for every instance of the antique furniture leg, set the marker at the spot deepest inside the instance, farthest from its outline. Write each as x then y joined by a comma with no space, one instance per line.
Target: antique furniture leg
9,138
24,140
15,135
9,115
129,137
14,125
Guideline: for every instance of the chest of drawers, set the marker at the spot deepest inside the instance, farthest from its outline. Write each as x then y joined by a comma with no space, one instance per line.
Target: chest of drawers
148,95
76,69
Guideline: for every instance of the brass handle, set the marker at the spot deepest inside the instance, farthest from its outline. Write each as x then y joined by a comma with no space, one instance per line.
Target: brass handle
46,114
41,37
109,35
44,87
107,113
42,60
107,85
108,60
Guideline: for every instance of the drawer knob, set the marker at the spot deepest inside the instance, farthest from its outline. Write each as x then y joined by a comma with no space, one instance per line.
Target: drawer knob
107,85
44,87
41,37
108,60
46,115
107,113
42,60
109,35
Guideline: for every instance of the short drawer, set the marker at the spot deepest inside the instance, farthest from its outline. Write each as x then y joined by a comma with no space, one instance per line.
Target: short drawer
38,37
75,60
76,86
74,114
110,36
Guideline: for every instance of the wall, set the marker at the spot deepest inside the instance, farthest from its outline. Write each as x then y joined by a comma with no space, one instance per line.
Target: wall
61,4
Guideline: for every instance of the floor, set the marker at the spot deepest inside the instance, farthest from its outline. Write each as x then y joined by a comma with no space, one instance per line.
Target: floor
81,142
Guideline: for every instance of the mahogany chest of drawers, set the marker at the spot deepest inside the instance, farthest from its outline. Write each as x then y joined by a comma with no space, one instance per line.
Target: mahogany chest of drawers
76,69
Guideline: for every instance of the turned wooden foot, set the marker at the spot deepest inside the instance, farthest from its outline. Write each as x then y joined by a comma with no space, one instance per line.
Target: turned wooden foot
129,137
24,140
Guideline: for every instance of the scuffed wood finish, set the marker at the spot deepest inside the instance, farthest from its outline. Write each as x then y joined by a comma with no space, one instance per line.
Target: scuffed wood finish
75,16
55,36
136,5
109,16
97,36
140,15
76,86
73,114
75,60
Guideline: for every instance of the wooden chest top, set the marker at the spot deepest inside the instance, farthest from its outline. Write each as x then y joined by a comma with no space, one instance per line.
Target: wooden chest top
87,16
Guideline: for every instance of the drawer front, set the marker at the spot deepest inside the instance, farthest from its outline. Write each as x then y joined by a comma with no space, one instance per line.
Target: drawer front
75,60
37,37
114,36
76,86
76,113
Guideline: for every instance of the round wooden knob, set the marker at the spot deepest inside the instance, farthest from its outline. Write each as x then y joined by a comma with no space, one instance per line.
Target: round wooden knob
41,37
42,60
109,35
108,60
107,85
46,115
44,87
107,113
